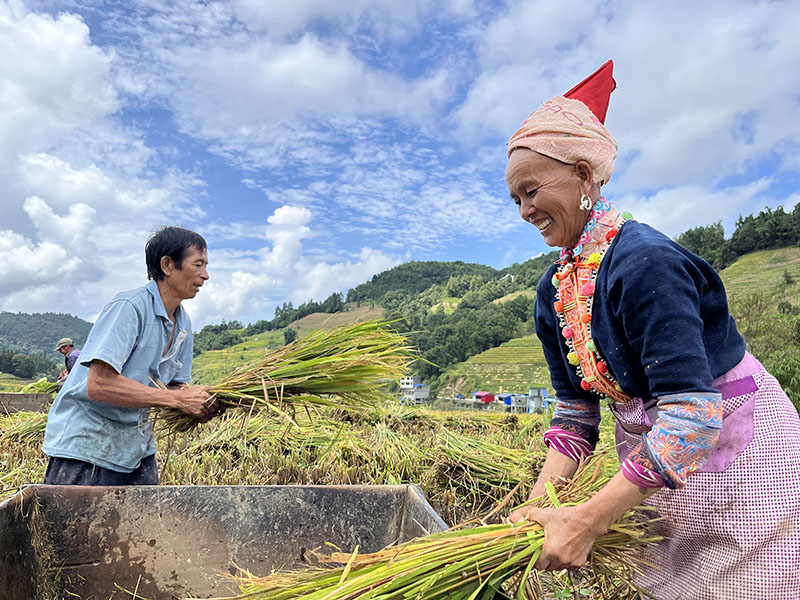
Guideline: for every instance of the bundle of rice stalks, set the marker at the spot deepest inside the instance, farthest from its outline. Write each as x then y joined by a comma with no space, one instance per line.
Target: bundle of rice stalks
344,367
471,474
42,386
463,564
23,426
397,458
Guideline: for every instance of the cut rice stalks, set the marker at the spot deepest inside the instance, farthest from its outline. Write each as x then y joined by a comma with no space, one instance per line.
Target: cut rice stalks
467,563
478,474
345,367
41,386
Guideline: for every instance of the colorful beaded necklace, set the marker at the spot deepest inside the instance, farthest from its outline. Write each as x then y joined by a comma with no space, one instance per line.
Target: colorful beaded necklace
575,282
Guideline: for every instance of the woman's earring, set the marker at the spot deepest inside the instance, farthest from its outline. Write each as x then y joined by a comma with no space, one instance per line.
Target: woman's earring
586,202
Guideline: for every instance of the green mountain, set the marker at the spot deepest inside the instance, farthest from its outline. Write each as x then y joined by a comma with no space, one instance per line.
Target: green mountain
39,332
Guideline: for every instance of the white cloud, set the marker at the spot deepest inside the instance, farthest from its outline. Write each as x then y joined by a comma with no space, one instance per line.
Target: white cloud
260,102
387,19
287,229
322,279
52,79
249,284
26,264
70,231
674,210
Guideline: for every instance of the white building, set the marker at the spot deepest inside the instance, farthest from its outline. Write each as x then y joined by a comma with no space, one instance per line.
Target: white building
409,382
413,391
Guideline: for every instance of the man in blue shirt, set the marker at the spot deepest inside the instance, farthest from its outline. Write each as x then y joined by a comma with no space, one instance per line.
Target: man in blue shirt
67,347
98,429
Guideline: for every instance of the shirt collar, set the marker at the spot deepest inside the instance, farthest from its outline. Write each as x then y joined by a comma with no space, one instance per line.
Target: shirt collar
158,303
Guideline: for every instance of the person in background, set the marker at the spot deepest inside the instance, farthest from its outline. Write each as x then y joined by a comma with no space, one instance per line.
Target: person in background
67,347
705,434
98,428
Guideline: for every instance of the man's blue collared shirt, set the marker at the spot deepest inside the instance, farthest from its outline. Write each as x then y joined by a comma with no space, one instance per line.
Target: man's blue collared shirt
131,335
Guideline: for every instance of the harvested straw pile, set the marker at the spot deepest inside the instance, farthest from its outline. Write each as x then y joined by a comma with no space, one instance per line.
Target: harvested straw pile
345,367
470,563
393,444
23,426
477,473
21,458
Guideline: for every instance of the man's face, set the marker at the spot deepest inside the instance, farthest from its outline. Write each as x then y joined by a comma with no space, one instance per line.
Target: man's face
65,349
187,280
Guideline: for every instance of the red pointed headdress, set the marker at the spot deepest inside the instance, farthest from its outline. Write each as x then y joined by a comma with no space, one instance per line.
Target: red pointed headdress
571,127
595,90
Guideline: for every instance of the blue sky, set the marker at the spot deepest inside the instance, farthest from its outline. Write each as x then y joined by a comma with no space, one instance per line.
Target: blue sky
316,143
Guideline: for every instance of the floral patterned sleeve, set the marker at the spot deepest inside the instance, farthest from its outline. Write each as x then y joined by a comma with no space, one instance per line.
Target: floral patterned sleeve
679,442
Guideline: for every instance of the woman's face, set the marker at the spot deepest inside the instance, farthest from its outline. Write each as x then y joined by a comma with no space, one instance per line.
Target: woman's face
547,193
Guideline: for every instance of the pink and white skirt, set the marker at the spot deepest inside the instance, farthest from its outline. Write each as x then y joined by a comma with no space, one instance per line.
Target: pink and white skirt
733,532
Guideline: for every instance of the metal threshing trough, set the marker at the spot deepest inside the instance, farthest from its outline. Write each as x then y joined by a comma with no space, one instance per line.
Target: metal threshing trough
11,402
165,542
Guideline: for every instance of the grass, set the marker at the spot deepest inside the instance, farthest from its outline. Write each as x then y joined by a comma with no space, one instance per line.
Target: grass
764,271
447,304
529,293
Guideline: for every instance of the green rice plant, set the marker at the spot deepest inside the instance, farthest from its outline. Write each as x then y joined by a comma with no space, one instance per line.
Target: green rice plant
345,367
470,563
41,386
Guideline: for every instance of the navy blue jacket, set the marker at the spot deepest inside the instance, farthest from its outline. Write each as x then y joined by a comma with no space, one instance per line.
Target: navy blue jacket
660,320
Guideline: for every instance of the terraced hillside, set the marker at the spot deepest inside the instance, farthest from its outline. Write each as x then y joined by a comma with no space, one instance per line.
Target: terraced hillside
773,271
527,293
511,367
12,383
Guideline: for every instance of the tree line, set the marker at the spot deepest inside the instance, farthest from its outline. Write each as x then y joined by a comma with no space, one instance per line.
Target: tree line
767,230
29,366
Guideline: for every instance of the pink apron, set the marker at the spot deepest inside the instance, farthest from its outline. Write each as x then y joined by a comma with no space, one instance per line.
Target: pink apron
733,532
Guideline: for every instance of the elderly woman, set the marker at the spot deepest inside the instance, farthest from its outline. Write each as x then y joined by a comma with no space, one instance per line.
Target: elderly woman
704,433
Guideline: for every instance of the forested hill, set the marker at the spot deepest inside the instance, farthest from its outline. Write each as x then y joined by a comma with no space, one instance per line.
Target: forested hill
415,277
456,278
39,332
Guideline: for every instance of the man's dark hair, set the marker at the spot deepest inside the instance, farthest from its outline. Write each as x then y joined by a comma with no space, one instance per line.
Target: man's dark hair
172,242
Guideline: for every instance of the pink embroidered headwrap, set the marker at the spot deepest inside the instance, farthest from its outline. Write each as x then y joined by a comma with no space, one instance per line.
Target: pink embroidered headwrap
566,129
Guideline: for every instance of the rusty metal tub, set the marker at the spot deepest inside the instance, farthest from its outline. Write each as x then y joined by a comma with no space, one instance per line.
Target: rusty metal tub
166,542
